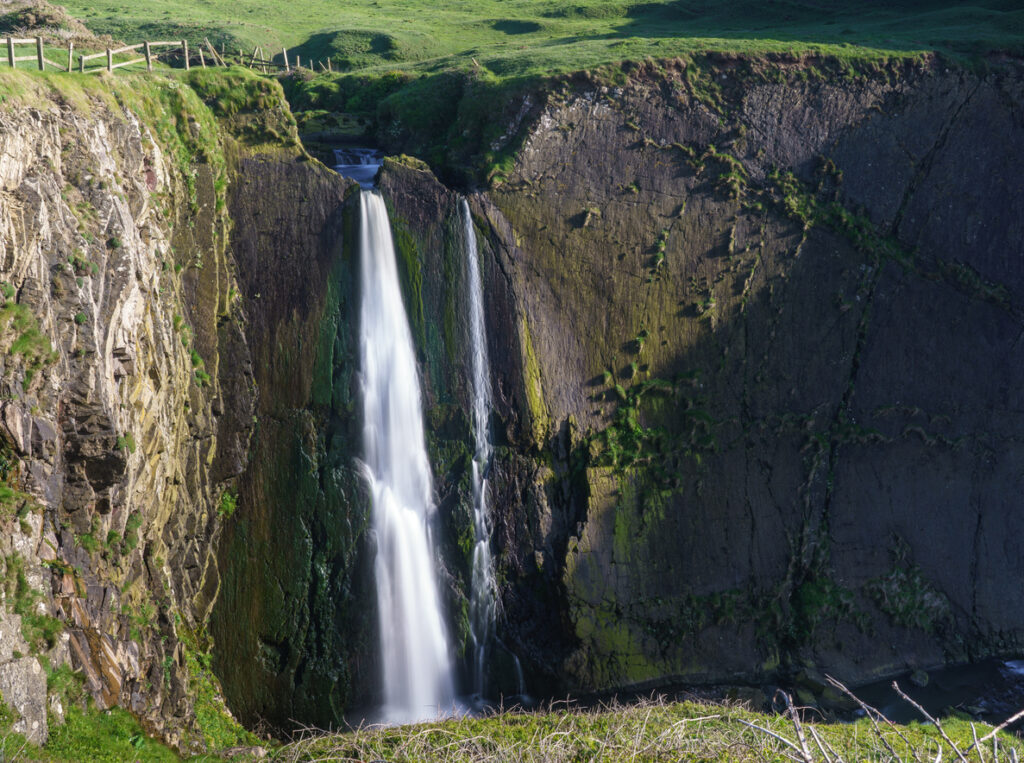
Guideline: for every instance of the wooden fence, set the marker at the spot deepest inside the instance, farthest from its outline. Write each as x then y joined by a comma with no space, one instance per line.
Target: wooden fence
147,57
38,57
146,52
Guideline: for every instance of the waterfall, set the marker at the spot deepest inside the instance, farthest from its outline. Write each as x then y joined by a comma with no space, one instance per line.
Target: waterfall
483,599
417,671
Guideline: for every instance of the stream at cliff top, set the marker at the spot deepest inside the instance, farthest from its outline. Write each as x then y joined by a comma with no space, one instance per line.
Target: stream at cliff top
360,164
415,654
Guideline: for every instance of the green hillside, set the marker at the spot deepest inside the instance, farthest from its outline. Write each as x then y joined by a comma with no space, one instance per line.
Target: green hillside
516,37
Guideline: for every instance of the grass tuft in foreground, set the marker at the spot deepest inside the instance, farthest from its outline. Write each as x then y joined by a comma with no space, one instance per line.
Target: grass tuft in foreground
656,730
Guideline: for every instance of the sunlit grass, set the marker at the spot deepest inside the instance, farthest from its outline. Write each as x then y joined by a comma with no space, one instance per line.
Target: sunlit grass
649,731
517,37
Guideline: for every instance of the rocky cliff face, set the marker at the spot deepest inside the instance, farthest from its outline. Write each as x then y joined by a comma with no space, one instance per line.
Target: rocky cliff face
758,333
127,384
294,618
754,330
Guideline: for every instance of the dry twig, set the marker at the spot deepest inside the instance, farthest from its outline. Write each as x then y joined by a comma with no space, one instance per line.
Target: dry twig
931,720
804,751
992,734
770,733
873,715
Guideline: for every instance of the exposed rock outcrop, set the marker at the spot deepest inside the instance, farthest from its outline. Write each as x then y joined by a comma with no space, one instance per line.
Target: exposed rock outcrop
127,385
752,330
765,331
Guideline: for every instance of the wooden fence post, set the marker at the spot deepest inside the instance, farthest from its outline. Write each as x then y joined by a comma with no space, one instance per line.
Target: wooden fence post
149,58
71,56
39,54
10,52
110,60
202,58
184,46
81,63
263,58
298,61
329,65
287,68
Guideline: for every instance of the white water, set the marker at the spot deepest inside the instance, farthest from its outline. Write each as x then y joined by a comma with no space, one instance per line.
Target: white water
416,658
483,598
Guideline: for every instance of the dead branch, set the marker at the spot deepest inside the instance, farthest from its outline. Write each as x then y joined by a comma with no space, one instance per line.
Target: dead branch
822,744
873,715
992,734
931,720
770,733
804,751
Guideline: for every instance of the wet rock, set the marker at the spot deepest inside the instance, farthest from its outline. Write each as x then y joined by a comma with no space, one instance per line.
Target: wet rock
811,679
806,698
833,699
919,678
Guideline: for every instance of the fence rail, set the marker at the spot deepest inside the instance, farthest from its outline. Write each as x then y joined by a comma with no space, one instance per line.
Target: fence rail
257,60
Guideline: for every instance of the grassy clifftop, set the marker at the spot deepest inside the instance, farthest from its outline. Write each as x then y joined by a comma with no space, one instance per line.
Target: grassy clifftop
517,37
447,80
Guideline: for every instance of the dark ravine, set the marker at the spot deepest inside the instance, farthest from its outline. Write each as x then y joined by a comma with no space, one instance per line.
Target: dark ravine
754,339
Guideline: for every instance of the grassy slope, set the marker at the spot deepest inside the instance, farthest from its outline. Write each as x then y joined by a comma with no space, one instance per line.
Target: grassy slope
652,731
518,37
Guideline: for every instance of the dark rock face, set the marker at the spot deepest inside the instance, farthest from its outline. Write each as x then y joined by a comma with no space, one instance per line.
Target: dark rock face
295,611
756,360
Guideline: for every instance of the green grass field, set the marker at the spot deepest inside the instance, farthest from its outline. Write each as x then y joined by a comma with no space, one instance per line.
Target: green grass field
524,37
446,71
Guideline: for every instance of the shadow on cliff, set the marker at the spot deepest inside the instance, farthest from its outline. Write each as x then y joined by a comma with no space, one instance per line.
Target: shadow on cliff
855,450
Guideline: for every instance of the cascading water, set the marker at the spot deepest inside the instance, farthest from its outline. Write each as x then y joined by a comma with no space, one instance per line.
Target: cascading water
414,645
360,164
482,600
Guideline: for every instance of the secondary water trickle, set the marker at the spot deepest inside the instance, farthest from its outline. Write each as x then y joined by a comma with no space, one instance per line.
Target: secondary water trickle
482,601
417,670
